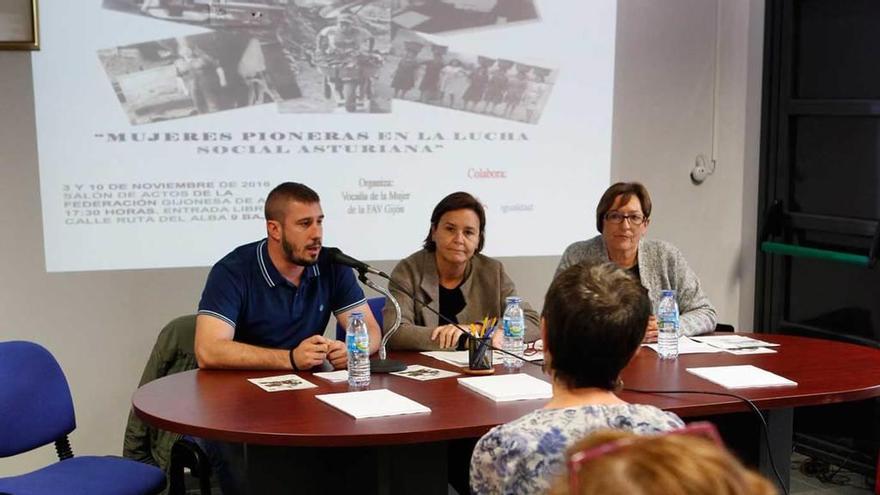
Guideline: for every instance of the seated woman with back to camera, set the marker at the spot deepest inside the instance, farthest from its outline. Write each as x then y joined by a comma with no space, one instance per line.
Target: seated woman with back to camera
622,218
593,322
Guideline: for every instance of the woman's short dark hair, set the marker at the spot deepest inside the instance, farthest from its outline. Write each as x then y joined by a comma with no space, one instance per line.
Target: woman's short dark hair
595,316
284,193
456,201
626,190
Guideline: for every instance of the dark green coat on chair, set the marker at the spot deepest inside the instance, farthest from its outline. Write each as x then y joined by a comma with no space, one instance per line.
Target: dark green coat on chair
172,353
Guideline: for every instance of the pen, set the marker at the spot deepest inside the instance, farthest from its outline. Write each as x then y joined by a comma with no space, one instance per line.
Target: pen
488,334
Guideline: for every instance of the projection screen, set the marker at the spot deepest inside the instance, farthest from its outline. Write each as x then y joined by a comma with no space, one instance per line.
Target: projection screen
163,124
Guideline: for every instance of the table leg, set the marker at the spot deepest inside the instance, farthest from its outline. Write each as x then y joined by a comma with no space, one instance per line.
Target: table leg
417,468
743,435
780,429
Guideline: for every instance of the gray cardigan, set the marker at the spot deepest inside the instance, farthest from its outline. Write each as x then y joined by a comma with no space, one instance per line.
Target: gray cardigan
485,288
661,266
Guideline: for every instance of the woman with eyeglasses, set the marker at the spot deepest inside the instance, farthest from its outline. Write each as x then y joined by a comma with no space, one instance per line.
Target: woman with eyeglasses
622,218
593,322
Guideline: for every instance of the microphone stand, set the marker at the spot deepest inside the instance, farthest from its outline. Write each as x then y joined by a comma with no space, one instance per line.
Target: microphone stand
382,364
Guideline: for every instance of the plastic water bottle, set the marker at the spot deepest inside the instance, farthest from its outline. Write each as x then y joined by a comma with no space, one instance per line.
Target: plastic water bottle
667,325
357,340
514,332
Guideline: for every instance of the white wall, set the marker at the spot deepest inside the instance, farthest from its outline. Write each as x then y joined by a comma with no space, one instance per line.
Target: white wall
663,118
101,326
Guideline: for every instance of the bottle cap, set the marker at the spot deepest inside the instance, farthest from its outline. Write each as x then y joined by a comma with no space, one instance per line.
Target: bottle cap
667,293
357,314
513,299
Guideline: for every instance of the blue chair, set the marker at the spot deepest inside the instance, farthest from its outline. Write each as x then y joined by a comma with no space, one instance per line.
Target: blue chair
376,304
36,409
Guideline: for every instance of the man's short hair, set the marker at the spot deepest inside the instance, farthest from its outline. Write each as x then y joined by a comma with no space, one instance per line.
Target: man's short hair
284,193
595,316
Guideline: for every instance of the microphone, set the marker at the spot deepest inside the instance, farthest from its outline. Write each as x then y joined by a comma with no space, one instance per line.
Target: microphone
380,363
340,258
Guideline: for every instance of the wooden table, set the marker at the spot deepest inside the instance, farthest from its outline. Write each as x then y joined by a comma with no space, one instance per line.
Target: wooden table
223,405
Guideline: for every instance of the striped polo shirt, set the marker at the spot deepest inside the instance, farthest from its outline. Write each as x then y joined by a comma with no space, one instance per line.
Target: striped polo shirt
245,290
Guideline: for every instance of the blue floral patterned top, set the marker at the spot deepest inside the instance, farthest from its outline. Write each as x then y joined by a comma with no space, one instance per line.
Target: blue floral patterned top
525,456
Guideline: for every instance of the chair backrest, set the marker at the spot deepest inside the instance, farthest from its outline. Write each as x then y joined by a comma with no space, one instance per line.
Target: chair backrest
724,327
35,403
376,305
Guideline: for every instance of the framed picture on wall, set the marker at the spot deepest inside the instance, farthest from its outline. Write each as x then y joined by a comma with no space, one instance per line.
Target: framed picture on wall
19,25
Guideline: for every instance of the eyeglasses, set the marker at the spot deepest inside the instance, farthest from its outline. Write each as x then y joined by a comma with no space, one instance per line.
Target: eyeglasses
618,217
533,348
578,459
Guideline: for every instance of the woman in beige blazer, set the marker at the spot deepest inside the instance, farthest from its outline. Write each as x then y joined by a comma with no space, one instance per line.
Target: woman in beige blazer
450,275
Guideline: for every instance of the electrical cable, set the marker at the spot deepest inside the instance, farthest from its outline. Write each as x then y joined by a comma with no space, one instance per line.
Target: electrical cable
754,408
828,477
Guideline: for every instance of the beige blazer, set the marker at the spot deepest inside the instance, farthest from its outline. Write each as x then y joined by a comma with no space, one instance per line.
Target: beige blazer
485,289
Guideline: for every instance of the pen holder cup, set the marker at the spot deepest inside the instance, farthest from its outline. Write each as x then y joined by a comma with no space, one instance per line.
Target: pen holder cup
479,354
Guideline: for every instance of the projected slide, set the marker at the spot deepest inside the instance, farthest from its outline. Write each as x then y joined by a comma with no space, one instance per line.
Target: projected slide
163,124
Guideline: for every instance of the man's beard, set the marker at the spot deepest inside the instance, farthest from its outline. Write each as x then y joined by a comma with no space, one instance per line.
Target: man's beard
291,256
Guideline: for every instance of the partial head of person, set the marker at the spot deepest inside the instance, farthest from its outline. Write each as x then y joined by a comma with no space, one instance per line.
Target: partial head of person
184,50
294,221
594,320
458,225
439,50
412,47
623,215
345,20
614,462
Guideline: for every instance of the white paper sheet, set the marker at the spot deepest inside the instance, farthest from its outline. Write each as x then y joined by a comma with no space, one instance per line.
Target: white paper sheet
743,376
373,403
505,388
333,376
753,350
734,342
538,356
688,346
424,373
281,382
459,358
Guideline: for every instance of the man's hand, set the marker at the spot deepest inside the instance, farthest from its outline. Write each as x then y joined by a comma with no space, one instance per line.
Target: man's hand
338,354
446,336
651,331
311,352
